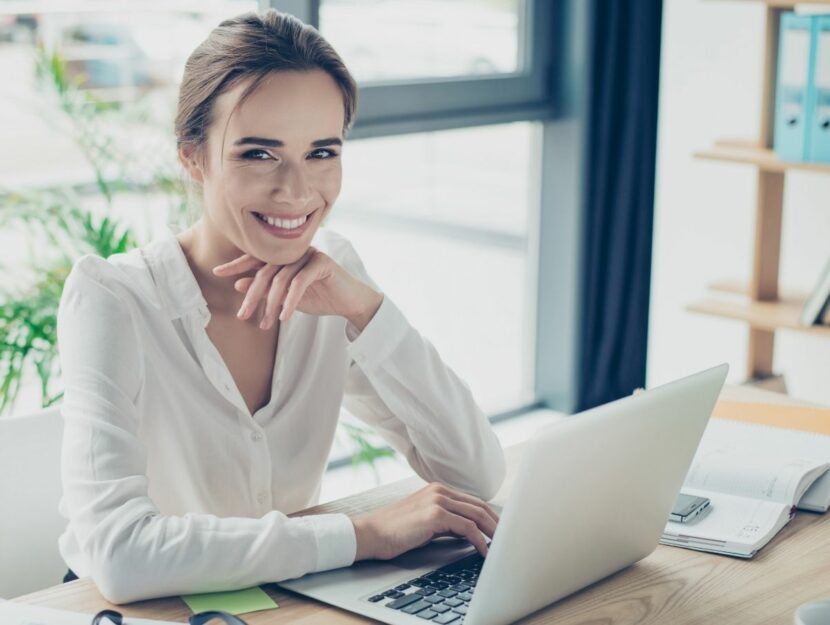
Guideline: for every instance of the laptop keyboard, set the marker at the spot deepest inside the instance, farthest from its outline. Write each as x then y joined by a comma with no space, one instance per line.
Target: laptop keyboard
440,596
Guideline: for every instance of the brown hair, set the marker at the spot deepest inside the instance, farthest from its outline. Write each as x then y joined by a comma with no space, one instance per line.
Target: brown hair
253,45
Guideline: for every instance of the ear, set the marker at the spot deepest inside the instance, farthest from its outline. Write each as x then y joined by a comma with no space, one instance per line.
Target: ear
188,159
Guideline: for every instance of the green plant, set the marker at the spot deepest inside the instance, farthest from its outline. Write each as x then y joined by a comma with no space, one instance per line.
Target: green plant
28,314
60,226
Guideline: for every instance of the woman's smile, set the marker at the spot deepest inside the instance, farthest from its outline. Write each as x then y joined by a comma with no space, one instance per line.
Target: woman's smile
290,228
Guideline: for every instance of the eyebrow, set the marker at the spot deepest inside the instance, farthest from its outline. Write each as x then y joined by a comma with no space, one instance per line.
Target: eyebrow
276,143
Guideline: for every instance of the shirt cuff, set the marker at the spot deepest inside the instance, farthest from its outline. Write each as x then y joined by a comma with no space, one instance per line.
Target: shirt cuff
379,338
336,540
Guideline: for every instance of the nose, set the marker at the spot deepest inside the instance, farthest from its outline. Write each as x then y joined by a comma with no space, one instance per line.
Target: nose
291,184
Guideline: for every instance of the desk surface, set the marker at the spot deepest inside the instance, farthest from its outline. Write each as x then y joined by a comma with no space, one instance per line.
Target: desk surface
673,586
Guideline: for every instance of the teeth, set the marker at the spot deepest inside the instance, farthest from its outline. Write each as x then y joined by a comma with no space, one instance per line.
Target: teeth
285,224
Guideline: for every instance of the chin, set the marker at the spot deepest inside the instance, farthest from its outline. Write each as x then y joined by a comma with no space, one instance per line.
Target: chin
282,252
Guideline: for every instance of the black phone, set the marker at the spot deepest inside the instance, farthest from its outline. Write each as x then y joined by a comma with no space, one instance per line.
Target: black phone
688,507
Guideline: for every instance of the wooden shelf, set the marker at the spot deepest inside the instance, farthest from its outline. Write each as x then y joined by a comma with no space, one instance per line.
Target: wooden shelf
775,315
736,287
736,151
767,308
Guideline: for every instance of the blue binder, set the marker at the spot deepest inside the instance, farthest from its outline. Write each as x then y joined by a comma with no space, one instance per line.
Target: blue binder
818,142
795,55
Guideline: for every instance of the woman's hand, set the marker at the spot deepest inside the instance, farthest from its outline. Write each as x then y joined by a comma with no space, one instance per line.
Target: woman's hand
435,510
315,284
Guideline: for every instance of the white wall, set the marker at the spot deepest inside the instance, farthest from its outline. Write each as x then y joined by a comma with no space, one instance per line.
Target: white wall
704,215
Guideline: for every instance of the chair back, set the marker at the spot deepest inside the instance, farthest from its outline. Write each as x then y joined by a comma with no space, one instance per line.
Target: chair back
30,489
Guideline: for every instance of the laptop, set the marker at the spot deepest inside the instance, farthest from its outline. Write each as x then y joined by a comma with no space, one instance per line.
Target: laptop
591,496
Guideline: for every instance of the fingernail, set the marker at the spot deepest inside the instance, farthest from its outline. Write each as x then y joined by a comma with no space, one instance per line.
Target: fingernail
243,309
264,324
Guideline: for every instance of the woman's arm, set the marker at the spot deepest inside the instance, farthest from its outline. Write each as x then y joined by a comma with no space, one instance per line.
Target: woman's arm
398,384
136,552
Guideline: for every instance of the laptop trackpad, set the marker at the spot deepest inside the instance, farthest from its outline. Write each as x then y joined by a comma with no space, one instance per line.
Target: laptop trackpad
439,551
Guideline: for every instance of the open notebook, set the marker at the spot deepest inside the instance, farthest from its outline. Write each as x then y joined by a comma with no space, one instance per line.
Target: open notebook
756,463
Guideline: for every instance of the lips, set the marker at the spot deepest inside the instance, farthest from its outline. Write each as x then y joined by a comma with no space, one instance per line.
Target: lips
284,228
287,223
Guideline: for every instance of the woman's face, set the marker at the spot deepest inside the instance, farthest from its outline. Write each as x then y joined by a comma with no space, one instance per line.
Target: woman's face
280,163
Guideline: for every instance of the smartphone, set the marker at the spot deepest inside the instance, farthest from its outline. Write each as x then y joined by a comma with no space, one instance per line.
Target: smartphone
688,507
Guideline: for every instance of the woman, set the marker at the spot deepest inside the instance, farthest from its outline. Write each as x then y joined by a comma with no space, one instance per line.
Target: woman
205,372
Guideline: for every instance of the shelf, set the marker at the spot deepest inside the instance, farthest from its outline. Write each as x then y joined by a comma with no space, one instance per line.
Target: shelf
737,151
775,315
736,287
731,300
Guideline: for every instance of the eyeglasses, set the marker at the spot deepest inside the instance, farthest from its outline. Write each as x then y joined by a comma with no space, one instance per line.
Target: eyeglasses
202,618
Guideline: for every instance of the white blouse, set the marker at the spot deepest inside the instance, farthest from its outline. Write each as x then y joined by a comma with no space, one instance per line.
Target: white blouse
171,486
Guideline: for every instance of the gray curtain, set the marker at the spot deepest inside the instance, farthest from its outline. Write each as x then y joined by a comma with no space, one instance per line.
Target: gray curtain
622,131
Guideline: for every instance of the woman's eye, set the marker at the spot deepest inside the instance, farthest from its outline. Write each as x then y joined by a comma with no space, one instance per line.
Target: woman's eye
323,153
256,155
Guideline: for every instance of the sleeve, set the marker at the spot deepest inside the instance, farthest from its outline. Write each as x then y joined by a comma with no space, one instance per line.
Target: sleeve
135,552
398,384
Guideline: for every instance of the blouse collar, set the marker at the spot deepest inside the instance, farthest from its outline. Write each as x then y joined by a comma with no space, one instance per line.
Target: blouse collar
177,286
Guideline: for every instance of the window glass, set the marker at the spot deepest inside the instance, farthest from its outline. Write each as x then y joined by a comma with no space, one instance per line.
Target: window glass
116,52
382,40
441,221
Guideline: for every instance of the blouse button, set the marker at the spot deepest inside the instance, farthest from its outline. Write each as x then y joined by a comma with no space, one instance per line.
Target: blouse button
261,497
256,436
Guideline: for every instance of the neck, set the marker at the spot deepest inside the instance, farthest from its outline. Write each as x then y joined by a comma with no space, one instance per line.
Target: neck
205,248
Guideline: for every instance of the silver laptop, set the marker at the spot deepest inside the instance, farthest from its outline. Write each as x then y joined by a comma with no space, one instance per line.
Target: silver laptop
591,496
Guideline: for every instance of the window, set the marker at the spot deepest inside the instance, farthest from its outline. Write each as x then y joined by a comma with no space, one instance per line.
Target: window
441,189
414,39
115,54
441,220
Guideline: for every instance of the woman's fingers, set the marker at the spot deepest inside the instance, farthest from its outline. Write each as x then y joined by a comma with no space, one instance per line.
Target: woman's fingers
304,279
461,526
244,263
433,511
475,501
243,284
449,491
276,293
270,281
260,284
483,521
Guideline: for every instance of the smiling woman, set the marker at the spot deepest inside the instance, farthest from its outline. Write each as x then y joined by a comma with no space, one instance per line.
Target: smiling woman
293,118
205,372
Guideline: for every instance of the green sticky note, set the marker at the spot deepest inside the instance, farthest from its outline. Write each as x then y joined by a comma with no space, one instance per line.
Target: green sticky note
233,602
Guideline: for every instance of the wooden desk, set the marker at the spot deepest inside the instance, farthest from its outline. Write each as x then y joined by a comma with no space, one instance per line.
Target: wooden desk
672,586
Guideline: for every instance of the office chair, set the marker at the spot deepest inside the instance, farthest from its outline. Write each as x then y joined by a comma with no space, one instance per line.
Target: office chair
30,488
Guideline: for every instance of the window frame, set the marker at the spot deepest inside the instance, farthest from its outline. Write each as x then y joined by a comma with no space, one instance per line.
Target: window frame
546,89
560,50
422,105
550,88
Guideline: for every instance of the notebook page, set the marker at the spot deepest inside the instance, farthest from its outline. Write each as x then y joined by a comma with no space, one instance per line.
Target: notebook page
765,439
759,475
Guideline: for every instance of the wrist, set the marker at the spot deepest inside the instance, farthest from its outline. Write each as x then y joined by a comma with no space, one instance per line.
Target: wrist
362,538
361,318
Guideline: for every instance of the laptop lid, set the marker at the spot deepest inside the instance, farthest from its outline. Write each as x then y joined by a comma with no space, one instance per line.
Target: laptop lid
592,496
